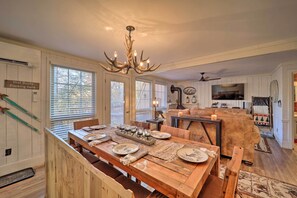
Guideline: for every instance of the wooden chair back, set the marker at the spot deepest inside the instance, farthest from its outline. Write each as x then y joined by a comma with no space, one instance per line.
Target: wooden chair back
69,174
144,125
80,124
177,132
232,173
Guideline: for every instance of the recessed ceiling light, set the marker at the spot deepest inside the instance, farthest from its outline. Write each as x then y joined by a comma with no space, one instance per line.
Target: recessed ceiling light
108,28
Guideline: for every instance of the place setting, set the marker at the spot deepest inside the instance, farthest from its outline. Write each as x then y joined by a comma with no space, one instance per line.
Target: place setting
195,155
160,135
129,152
96,138
93,128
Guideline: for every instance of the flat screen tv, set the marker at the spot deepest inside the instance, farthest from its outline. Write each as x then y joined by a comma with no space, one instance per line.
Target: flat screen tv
228,92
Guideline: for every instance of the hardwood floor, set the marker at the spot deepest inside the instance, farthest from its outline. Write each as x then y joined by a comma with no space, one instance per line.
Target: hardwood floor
33,187
280,165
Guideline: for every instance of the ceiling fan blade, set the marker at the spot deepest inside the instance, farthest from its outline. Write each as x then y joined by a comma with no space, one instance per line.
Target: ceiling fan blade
213,79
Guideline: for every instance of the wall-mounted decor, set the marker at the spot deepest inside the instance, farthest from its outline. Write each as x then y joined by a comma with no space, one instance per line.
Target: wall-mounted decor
274,90
5,98
18,119
189,90
20,84
194,100
187,99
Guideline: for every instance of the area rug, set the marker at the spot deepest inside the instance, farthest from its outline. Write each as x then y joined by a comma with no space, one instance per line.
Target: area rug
263,145
16,177
256,186
266,131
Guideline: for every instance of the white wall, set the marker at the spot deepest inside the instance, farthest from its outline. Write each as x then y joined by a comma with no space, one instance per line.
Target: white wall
285,122
26,145
277,110
256,85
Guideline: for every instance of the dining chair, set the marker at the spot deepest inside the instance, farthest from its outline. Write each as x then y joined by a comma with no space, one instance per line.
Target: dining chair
138,190
144,125
177,132
215,187
80,124
108,169
89,156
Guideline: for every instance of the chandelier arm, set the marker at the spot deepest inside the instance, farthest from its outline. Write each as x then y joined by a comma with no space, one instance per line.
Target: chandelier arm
153,69
109,69
141,57
119,65
138,71
109,59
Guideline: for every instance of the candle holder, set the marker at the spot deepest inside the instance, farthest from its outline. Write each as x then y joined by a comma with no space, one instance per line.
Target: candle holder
213,117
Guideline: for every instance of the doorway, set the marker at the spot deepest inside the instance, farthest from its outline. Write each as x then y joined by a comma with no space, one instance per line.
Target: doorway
295,107
117,109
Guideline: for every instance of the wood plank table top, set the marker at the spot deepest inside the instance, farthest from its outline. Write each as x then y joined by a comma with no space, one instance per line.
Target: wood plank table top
175,178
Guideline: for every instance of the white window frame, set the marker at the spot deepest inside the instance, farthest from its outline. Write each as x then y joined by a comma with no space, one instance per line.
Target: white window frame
144,110
164,97
62,130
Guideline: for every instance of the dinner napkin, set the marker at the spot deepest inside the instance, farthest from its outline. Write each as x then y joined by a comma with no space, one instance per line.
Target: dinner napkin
130,158
209,152
95,142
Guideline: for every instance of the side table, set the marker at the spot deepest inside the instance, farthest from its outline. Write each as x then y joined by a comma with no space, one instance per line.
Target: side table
158,122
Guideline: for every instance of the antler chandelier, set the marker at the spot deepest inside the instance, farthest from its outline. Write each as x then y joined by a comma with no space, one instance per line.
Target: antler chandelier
140,66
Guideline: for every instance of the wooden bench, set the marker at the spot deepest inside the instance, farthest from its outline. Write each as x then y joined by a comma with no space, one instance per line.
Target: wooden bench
69,174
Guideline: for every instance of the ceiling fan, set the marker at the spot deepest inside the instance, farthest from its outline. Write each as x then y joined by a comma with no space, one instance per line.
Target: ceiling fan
206,78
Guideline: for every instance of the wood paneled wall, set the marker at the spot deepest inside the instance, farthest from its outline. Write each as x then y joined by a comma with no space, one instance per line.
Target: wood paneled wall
24,142
256,85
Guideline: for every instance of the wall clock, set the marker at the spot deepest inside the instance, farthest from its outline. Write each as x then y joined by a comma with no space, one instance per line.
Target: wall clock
274,91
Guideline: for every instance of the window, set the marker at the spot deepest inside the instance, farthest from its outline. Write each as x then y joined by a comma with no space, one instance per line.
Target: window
72,98
161,96
143,100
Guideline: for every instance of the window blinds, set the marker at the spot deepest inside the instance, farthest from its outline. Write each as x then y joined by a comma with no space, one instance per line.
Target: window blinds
72,98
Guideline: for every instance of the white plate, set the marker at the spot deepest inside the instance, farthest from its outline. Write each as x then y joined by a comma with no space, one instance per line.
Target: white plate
98,127
125,148
192,155
91,137
160,135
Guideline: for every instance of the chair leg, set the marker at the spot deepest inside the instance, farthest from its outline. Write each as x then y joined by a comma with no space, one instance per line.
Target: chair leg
138,181
128,176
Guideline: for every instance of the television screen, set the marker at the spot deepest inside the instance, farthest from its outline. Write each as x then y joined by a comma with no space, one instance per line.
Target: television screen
228,92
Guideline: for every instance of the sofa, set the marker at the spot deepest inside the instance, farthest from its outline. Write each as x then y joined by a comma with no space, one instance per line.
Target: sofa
238,128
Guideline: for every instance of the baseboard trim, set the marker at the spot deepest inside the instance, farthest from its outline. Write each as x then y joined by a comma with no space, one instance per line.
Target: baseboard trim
32,162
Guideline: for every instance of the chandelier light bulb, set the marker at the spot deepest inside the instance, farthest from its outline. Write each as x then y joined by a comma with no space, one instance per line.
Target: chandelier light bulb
141,64
115,54
135,53
148,61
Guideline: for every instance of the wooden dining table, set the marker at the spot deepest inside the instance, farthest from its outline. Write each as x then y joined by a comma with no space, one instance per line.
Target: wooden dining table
173,178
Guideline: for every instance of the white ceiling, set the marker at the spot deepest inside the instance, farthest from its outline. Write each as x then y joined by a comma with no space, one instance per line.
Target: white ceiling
169,31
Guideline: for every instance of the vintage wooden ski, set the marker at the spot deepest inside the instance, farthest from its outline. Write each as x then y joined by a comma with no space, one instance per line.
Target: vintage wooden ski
15,117
14,104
